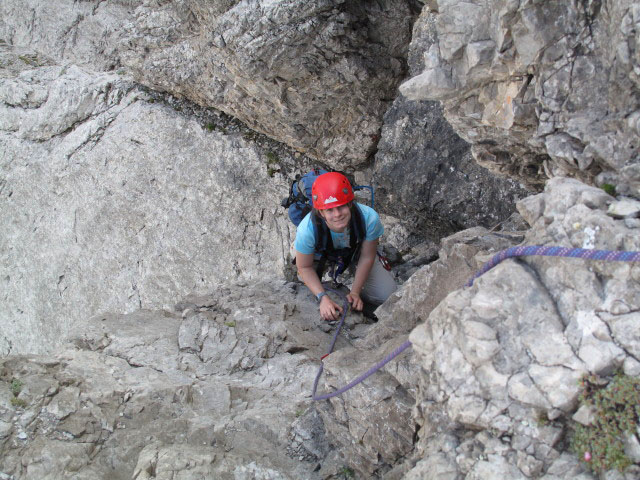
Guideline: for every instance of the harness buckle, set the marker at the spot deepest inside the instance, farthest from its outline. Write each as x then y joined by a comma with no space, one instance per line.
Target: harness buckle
385,262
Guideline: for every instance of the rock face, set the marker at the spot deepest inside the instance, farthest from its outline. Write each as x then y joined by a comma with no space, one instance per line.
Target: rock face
372,423
210,390
540,89
426,175
425,172
117,197
502,358
113,203
315,75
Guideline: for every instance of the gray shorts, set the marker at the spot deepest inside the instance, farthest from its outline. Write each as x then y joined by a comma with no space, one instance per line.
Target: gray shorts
379,285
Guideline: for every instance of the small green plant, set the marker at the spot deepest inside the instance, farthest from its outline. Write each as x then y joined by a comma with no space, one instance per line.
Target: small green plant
16,387
18,402
210,126
29,59
230,324
542,419
346,472
272,157
299,412
616,406
273,163
610,189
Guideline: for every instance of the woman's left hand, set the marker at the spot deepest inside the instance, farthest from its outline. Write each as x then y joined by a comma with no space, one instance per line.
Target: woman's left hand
355,300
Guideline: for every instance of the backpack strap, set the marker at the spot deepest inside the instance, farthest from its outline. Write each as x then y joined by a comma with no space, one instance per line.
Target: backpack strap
358,232
324,244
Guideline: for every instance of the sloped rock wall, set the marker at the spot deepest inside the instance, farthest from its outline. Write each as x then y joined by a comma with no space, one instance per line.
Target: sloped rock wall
315,75
111,202
373,423
539,88
426,173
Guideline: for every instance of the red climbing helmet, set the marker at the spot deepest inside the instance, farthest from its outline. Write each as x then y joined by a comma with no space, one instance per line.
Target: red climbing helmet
331,190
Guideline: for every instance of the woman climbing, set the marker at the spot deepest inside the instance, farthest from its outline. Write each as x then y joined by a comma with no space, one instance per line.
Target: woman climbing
339,232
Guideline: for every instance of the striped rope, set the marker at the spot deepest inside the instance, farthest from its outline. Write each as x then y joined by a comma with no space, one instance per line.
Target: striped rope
584,253
605,255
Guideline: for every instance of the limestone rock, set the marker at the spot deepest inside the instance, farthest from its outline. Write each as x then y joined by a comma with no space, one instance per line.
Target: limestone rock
509,351
425,289
517,81
315,75
625,207
371,422
425,172
113,202
130,401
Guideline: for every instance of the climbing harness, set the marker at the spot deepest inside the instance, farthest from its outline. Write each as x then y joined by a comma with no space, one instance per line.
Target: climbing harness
604,255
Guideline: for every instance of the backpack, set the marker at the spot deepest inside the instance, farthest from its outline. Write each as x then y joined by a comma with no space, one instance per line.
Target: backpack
298,204
299,200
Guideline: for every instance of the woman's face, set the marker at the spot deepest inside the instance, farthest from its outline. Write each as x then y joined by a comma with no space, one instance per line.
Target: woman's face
337,218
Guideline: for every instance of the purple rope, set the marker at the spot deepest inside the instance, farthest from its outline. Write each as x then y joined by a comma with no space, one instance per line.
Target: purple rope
362,377
606,255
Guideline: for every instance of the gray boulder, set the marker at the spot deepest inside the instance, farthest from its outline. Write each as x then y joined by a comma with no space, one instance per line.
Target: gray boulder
425,172
503,357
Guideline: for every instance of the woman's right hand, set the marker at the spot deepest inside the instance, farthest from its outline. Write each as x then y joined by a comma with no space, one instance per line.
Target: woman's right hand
329,310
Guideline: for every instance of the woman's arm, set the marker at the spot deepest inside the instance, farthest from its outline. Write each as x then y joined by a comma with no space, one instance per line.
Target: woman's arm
368,255
329,310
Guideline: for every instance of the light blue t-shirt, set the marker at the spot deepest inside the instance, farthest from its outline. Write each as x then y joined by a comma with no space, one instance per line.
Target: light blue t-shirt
306,241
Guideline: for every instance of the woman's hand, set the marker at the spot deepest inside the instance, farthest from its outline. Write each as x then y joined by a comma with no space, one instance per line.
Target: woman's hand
329,310
355,301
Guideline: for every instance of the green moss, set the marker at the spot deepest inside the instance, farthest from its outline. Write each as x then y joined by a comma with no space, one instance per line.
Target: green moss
610,189
543,420
210,126
272,158
273,163
346,472
230,324
16,387
616,405
18,402
31,60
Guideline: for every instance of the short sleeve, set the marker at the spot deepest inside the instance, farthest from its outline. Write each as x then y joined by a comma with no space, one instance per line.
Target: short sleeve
374,227
305,242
